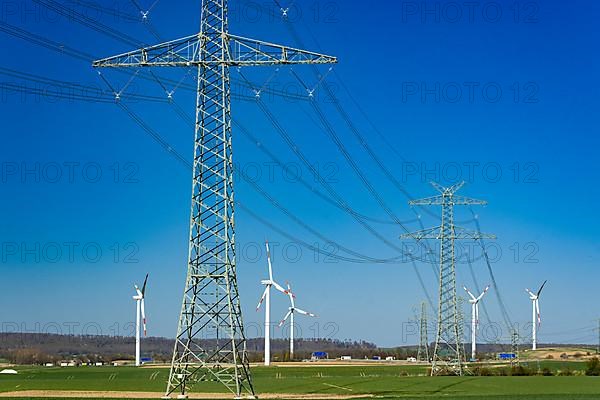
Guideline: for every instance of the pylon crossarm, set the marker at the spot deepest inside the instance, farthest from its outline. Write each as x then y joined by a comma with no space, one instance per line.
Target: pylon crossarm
185,52
462,233
449,200
466,201
429,233
245,51
181,52
428,201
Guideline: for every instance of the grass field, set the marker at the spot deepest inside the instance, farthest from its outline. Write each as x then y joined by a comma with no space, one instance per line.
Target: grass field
380,381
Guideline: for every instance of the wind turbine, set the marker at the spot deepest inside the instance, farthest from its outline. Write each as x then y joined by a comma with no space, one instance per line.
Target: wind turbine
266,297
140,309
535,299
474,318
290,314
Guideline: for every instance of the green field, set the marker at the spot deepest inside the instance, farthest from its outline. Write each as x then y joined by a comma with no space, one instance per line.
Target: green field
381,381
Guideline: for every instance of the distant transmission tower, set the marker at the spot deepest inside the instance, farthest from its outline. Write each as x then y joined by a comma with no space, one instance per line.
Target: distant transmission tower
448,354
423,353
210,343
514,348
460,305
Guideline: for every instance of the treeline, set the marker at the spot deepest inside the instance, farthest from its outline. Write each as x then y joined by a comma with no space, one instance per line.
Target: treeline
34,348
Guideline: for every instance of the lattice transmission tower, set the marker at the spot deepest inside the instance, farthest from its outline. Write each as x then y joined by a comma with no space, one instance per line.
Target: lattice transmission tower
423,352
514,347
210,343
460,317
448,353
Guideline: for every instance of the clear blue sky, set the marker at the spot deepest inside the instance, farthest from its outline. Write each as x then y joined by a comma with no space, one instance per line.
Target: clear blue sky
483,90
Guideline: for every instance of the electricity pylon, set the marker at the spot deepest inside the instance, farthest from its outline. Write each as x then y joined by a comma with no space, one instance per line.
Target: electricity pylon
423,353
448,337
514,347
460,307
210,343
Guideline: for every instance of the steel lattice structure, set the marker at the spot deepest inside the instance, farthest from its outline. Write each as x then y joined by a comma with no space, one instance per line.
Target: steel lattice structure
448,354
210,343
460,304
514,347
423,352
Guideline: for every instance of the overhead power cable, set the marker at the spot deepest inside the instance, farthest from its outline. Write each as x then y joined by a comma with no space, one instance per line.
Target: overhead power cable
59,47
478,288
497,293
345,116
288,213
86,21
159,139
76,16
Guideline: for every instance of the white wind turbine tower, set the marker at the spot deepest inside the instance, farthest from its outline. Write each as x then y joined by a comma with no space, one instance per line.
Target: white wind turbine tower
535,299
474,318
140,309
290,314
266,297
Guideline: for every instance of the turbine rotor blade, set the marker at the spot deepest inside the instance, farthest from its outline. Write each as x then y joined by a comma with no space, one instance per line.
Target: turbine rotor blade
144,286
469,293
280,288
290,294
286,317
262,298
304,312
483,293
540,291
537,309
269,261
